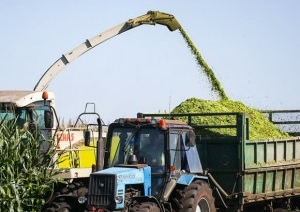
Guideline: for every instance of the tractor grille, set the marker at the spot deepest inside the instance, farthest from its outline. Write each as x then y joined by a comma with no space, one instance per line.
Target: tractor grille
102,191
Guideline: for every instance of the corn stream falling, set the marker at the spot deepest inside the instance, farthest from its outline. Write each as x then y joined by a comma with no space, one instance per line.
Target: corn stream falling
261,128
216,86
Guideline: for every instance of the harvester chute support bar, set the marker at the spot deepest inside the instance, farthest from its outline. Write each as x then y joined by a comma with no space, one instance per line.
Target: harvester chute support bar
151,18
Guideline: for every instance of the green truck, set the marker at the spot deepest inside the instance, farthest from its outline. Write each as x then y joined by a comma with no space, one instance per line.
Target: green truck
247,175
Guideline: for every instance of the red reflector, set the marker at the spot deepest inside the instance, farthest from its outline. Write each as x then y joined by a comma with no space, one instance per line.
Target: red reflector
172,168
92,208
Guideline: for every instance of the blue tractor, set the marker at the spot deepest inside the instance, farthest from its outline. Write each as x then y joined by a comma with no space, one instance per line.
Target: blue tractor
150,165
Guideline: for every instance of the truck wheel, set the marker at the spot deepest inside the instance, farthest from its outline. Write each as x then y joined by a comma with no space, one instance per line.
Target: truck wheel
196,197
145,207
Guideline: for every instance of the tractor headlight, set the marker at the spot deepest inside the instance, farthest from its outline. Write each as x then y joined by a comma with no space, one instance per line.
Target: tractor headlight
82,199
119,199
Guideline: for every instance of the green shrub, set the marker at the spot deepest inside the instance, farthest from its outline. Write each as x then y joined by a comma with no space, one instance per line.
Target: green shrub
26,173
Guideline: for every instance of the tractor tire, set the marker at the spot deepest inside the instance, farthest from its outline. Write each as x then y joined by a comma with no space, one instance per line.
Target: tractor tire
145,207
58,207
197,197
62,201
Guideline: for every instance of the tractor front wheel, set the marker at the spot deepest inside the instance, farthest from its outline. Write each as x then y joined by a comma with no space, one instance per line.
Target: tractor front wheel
197,197
66,199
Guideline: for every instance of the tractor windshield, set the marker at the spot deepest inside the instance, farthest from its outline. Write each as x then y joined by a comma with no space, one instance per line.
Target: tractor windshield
146,143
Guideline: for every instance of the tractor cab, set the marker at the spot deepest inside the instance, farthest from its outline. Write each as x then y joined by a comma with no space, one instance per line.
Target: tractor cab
142,157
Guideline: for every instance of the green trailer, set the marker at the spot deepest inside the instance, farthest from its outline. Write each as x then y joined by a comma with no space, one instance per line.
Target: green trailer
246,175
286,120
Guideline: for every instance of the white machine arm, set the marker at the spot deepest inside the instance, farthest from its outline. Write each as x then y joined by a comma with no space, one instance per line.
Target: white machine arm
151,18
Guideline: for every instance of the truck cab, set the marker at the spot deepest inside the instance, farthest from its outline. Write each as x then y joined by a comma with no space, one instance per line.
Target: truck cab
145,161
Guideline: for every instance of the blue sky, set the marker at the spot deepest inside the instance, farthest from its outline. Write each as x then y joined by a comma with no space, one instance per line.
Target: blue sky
253,47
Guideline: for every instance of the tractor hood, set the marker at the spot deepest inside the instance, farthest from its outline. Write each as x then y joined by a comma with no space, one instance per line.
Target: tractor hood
128,174
110,184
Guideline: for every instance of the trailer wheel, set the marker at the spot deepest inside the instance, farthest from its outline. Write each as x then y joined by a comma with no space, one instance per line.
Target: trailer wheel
145,207
196,197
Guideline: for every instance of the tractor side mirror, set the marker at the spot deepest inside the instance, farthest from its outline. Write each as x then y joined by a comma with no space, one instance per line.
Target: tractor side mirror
48,119
87,138
190,139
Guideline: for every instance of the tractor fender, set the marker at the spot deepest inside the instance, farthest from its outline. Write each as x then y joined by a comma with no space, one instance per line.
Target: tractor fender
188,178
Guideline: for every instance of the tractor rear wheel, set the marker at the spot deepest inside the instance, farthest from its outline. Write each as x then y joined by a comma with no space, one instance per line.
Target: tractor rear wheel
145,207
197,197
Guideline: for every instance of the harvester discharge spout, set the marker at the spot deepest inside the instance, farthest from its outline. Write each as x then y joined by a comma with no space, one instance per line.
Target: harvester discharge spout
156,17
150,18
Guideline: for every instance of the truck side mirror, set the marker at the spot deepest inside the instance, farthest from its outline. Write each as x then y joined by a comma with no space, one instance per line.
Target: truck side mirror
87,138
48,116
190,138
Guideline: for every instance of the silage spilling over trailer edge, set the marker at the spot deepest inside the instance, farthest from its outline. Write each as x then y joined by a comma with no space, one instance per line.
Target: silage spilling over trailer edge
260,127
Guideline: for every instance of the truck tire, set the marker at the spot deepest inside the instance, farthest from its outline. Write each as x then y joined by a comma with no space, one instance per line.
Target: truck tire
145,207
197,197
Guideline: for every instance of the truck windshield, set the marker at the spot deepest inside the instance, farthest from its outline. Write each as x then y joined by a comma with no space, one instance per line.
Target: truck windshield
146,143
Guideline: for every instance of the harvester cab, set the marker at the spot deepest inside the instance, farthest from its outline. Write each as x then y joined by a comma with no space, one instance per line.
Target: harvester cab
147,161
30,111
